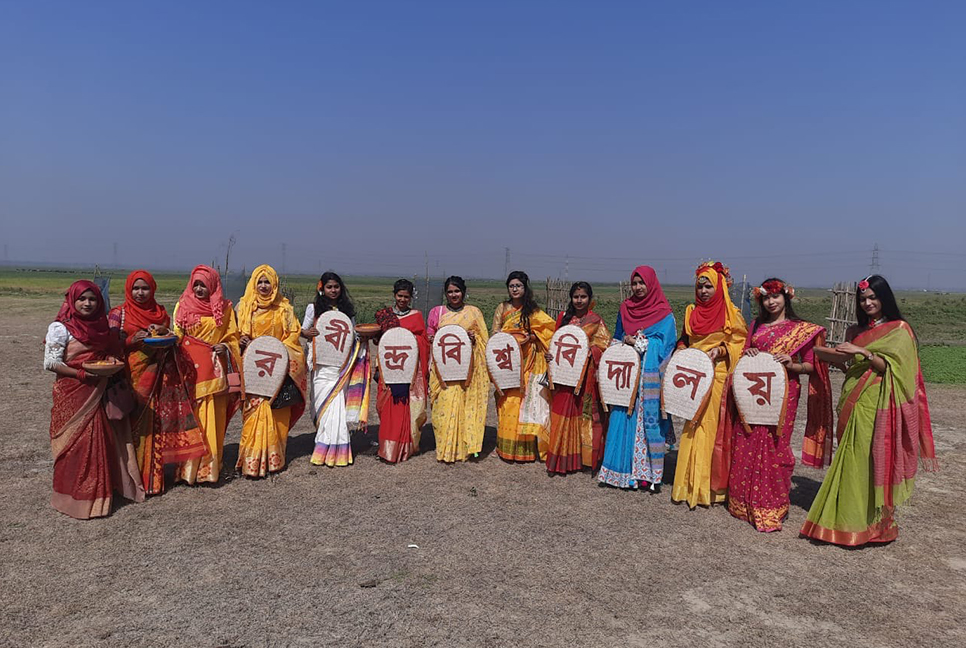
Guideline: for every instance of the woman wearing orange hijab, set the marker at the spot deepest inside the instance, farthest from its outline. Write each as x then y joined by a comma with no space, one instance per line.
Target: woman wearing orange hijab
205,325
163,422
713,325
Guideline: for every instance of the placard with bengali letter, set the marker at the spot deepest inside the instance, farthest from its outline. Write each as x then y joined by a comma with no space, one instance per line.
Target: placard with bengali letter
503,360
619,374
398,356
687,383
569,348
332,346
265,365
759,384
452,353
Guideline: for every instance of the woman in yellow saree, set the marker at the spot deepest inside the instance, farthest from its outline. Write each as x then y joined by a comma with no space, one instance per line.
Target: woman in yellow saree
524,413
713,325
208,338
264,311
458,409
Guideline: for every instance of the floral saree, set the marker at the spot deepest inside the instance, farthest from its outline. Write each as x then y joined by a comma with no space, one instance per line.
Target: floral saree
755,462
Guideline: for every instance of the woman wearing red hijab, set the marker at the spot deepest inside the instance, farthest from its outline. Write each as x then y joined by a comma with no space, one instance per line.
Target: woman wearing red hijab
713,325
164,425
637,439
93,455
205,324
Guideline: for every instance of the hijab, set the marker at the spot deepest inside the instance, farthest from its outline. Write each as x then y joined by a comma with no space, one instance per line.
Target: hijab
93,330
191,309
138,316
718,313
253,300
639,313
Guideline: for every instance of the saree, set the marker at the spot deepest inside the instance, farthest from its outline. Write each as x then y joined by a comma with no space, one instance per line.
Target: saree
459,408
163,422
754,463
402,408
340,400
637,439
207,373
576,437
265,429
883,430
93,455
524,413
706,326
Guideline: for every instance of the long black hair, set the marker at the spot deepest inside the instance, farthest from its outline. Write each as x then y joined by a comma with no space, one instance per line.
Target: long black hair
883,292
789,309
571,311
454,280
529,305
343,303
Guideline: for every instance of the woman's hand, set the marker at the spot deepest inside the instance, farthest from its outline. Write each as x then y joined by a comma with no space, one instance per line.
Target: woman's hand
310,332
138,337
629,339
245,341
751,352
784,359
851,349
220,348
472,335
714,353
547,356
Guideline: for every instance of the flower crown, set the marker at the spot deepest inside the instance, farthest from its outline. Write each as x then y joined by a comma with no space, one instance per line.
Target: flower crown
718,267
773,287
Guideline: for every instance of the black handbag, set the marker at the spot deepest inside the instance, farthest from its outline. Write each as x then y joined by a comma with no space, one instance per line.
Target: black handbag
288,395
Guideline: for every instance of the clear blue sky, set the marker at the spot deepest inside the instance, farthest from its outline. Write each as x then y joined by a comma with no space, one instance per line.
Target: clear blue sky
784,138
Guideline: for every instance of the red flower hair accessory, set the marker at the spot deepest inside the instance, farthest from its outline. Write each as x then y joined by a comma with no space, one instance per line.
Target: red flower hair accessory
718,267
864,284
773,287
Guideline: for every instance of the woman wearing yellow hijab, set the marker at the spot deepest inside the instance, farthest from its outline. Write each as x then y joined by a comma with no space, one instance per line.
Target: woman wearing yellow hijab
263,311
713,325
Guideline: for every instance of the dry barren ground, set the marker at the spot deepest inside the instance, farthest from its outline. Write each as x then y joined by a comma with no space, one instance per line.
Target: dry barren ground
506,555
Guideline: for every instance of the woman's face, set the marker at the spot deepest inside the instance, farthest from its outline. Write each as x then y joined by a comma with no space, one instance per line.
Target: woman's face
200,290
580,300
870,304
264,286
403,299
638,287
86,304
774,303
140,291
332,289
704,289
454,296
515,289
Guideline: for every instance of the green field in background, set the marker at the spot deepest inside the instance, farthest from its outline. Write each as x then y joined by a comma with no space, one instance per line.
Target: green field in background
936,317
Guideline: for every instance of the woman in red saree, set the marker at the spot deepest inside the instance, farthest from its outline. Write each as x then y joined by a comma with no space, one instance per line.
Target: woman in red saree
576,427
163,422
93,455
754,463
402,408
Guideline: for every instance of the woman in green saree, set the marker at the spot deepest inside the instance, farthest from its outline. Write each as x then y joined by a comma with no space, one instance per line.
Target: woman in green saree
883,427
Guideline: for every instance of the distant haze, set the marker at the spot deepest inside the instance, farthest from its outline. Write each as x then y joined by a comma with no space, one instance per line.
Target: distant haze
588,138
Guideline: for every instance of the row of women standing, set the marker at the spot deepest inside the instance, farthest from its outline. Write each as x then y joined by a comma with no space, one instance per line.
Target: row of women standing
182,410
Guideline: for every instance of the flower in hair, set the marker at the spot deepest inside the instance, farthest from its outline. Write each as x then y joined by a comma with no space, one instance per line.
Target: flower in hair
864,284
